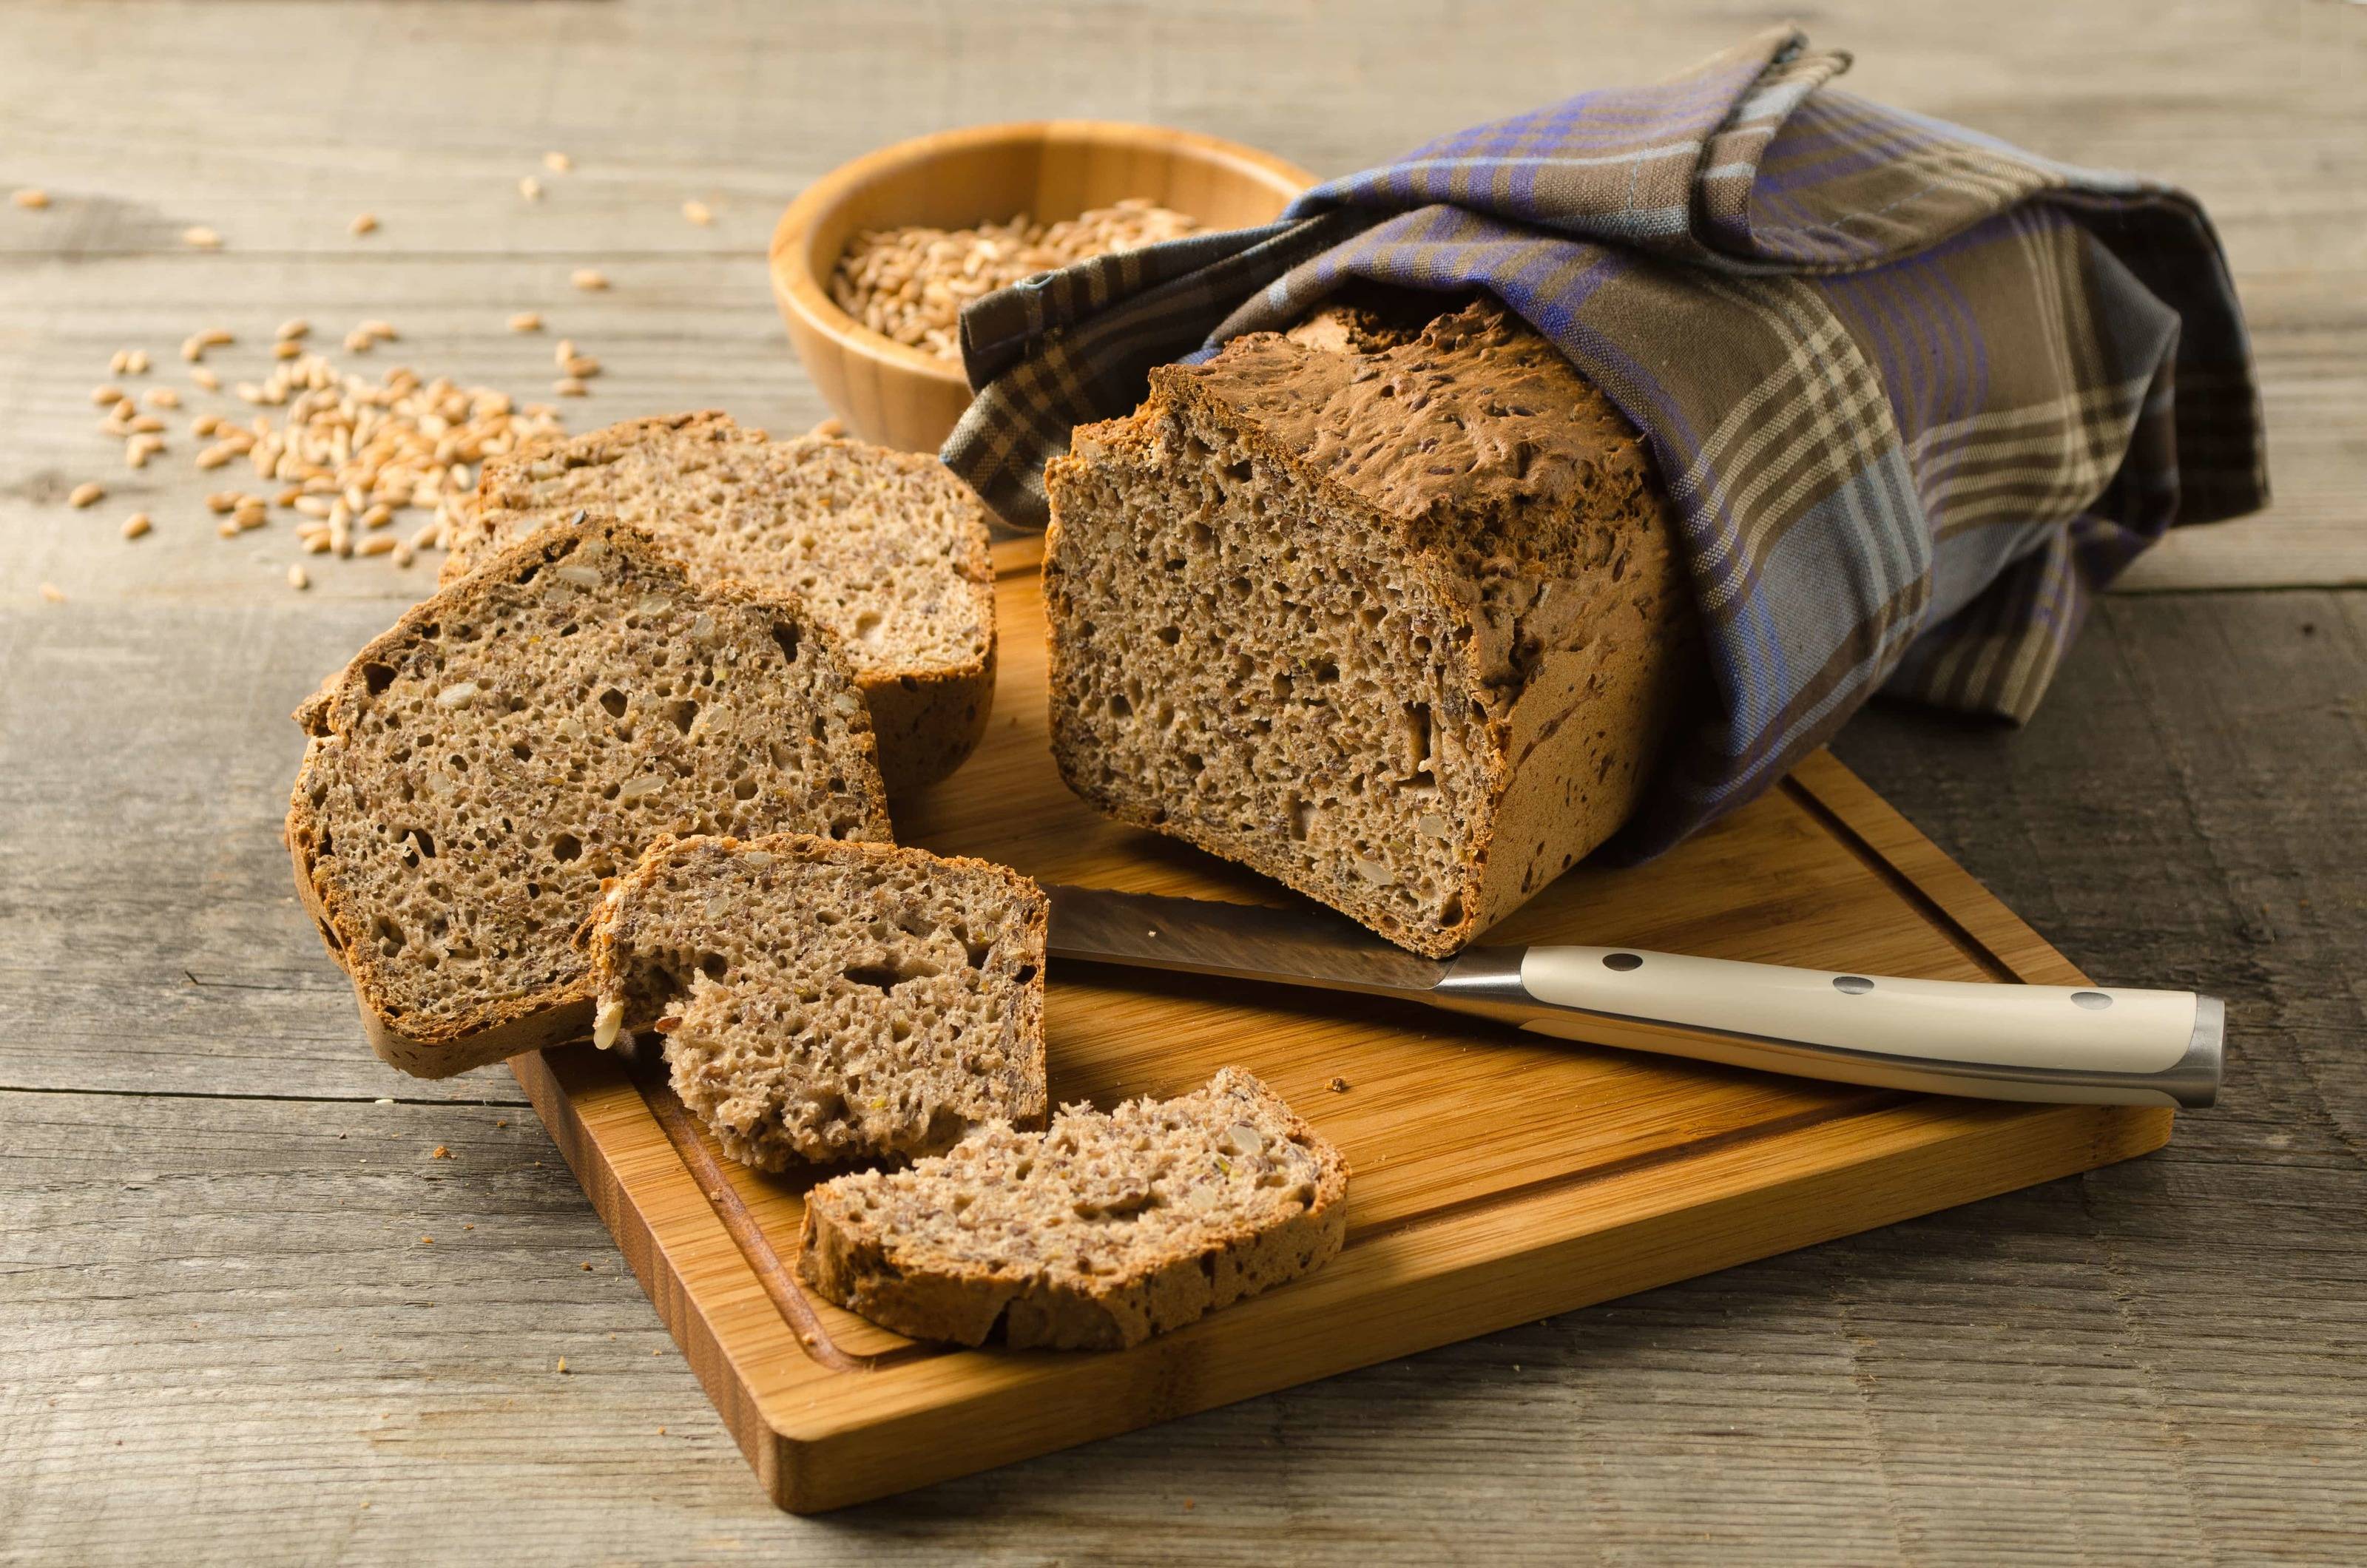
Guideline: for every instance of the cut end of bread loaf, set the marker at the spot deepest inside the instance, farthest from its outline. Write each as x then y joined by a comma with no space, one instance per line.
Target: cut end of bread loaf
476,771
1095,1233
1393,617
822,1000
889,548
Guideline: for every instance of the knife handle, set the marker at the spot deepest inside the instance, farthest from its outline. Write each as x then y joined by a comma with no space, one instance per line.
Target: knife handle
2066,1044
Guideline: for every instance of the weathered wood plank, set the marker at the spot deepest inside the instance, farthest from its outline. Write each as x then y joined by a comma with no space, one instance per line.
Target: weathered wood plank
2157,1362
2252,106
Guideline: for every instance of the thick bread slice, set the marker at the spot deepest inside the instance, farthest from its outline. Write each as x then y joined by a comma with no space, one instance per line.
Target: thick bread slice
1098,1233
477,769
822,1000
1397,620
889,548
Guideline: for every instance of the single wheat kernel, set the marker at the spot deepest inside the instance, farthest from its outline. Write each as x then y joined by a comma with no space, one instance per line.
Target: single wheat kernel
54,594
558,163
221,500
124,409
228,528
293,328
564,351
32,198
359,342
215,456
697,212
135,362
364,223
402,553
160,398
317,544
201,238
106,396
581,365
377,545
88,493
298,578
206,379
378,517
525,322
429,537
136,525
589,279
117,360
569,387
205,424
145,424
530,188
288,349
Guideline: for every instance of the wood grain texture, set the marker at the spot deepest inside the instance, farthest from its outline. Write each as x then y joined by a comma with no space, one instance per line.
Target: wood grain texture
1498,1176
2156,1362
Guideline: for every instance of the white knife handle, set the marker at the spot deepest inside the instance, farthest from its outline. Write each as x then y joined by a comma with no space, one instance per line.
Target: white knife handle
2076,1044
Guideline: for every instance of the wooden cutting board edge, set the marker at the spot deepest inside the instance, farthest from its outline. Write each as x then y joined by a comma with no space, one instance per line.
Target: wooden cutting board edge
1880,1158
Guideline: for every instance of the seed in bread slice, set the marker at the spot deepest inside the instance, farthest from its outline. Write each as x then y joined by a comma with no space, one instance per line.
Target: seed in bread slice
889,548
477,769
1097,1232
823,1001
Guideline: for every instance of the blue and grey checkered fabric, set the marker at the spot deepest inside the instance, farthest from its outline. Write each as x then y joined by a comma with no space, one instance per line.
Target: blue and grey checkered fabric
1915,395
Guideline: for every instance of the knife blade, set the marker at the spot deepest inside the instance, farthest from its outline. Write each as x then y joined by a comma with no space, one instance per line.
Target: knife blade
2083,1045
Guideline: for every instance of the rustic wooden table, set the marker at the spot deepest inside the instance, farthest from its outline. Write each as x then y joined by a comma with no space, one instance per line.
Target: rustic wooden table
222,1334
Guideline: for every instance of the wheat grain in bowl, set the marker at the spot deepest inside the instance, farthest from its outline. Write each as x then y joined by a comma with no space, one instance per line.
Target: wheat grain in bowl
909,284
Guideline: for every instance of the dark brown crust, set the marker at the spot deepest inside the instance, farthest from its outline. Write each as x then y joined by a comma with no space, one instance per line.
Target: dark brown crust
927,718
501,1026
1023,1038
849,1263
1512,427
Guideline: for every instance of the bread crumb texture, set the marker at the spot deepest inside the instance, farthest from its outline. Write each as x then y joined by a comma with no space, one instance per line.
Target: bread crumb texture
822,1000
888,547
1096,1233
477,769
1391,615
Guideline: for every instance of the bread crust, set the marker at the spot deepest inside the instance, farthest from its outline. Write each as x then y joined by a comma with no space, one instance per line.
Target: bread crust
498,1027
853,1264
926,717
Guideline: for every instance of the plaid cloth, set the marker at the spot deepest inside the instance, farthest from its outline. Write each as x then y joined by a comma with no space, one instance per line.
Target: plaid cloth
1915,395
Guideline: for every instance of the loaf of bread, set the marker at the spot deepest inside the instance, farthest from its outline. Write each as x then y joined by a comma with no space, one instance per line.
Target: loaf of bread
888,547
1098,1233
476,771
822,1000
1394,618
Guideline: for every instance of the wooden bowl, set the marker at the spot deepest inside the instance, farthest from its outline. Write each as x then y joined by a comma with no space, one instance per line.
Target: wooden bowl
904,397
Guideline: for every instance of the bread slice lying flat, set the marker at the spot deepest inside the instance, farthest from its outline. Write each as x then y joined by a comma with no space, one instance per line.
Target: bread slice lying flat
477,769
823,1001
889,548
1098,1233
1395,620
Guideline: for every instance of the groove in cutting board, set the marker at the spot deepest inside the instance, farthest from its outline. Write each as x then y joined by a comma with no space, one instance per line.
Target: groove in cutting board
1499,1177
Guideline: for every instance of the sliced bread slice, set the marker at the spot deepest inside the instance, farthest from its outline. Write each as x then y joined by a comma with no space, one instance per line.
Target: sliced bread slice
823,1001
477,769
889,548
1103,1230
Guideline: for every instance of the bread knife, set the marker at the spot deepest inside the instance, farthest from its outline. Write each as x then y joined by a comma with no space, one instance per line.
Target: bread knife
2065,1045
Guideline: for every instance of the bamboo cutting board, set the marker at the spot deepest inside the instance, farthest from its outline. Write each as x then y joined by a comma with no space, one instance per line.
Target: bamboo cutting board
1498,1177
